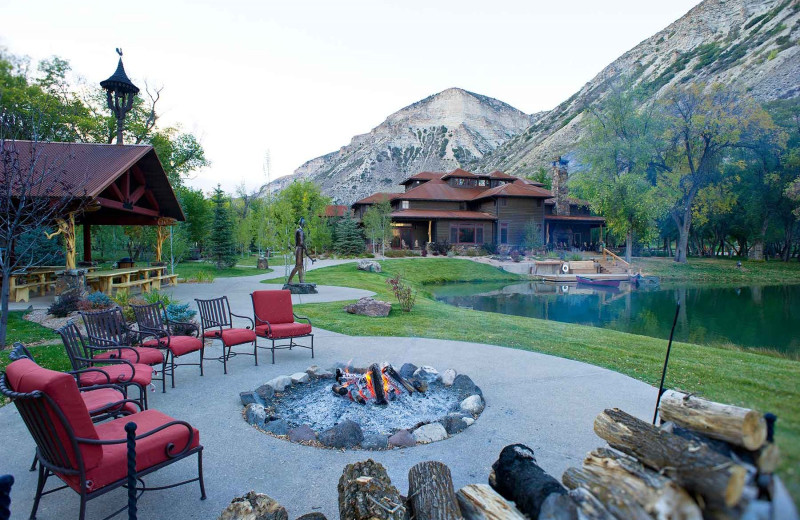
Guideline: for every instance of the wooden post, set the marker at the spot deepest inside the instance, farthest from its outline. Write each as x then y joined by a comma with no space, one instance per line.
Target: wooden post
66,227
547,234
161,235
430,225
87,243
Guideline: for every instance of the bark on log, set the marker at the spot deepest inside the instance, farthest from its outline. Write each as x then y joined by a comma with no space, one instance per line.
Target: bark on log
717,479
391,372
430,492
739,426
377,384
589,508
558,507
517,477
367,493
768,458
619,504
481,502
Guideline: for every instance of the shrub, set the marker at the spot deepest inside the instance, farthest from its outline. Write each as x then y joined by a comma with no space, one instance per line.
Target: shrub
64,305
576,257
202,276
156,296
182,313
515,256
405,295
442,247
95,301
124,299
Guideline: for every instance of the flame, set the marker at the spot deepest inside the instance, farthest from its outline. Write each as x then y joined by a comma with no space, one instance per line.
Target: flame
363,385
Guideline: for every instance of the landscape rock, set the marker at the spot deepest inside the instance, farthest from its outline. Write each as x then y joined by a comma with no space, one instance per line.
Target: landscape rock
469,421
254,506
472,404
299,378
280,383
426,373
265,392
407,370
312,516
325,374
448,376
255,413
368,306
431,432
454,423
300,288
465,386
302,433
346,434
402,439
375,441
369,265
248,398
278,427
317,372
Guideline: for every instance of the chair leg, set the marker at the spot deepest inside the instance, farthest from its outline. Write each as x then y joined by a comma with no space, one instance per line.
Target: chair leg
33,464
164,375
202,354
255,351
312,346
225,359
273,351
172,357
82,514
43,474
200,475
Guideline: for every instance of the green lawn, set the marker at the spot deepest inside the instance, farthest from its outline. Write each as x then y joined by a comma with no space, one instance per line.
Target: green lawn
765,382
722,270
190,270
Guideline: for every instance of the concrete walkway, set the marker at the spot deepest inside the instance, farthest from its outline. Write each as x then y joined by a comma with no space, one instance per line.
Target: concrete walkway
543,401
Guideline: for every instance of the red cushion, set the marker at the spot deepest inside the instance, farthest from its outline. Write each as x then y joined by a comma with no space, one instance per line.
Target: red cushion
143,375
273,307
213,333
231,337
98,400
149,451
26,376
178,345
147,356
283,330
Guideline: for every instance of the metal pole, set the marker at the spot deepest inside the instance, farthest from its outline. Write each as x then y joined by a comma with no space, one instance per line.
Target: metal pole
130,428
666,361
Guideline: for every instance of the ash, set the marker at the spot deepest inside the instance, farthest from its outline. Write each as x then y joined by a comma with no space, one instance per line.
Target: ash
316,405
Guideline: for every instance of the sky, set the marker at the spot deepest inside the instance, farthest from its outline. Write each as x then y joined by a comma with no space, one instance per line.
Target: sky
298,79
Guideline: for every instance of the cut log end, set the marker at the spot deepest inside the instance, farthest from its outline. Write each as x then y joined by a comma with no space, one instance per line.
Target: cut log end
754,430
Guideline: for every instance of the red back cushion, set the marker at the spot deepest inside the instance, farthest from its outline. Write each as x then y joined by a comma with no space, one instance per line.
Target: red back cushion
273,306
25,376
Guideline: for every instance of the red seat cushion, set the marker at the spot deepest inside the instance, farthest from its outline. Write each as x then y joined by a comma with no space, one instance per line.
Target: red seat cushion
98,400
147,356
272,307
26,376
213,333
231,337
178,345
149,451
283,330
143,375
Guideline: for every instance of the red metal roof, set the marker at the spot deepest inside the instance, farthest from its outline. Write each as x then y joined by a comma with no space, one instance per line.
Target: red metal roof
458,172
497,174
528,182
515,190
441,214
335,210
424,176
377,197
575,218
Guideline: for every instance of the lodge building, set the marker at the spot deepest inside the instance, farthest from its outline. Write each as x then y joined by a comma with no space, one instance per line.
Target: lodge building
474,209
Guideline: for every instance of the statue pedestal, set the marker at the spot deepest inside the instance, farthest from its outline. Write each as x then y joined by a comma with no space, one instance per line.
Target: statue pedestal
301,288
72,281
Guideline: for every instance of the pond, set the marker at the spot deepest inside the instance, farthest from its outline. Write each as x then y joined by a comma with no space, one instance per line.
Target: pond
748,316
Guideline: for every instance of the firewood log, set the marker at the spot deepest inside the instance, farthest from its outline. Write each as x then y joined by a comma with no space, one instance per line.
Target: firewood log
367,493
481,502
589,508
717,479
517,477
558,507
768,458
738,426
377,384
430,492
619,504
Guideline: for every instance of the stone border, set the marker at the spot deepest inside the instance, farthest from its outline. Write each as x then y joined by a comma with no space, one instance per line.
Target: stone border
348,434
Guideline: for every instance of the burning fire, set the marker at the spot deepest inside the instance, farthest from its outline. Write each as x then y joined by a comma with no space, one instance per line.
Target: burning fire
362,387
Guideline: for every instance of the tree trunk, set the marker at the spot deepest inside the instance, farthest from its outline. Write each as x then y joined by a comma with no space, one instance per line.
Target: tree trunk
739,426
695,467
788,232
481,502
757,251
684,225
628,245
629,490
367,493
430,492
5,291
517,477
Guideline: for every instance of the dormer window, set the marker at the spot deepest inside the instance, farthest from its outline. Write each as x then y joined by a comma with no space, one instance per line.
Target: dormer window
481,182
403,204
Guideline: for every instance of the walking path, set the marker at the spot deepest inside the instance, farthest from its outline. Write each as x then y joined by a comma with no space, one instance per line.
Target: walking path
546,402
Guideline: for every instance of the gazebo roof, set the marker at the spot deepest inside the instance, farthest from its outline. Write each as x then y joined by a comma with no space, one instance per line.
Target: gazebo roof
127,182
120,80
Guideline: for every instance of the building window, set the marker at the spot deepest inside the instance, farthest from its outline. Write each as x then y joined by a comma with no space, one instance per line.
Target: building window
481,182
504,233
403,204
503,201
466,234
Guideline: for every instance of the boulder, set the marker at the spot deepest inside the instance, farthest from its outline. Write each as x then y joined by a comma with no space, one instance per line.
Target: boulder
402,439
375,441
431,432
369,265
265,392
369,307
454,423
300,288
262,263
280,383
407,370
312,516
277,427
448,376
255,414
302,433
248,398
469,421
299,378
426,373
254,506
465,387
472,405
346,434
316,372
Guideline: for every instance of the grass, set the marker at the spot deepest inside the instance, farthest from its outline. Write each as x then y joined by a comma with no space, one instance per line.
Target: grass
722,270
190,270
730,375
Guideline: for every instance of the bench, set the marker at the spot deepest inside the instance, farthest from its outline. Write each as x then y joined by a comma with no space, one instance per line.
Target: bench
145,283
22,292
583,267
172,279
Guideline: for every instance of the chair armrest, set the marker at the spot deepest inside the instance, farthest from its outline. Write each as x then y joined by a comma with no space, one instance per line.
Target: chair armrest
118,388
248,318
118,348
298,317
120,379
77,374
116,405
192,326
169,446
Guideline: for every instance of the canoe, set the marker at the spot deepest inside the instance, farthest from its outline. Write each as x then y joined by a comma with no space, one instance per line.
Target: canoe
600,283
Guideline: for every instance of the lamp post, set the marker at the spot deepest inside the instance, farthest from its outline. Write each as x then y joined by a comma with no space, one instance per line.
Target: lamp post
120,92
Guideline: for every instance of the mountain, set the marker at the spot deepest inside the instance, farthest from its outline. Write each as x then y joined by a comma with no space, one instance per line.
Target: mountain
749,44
451,129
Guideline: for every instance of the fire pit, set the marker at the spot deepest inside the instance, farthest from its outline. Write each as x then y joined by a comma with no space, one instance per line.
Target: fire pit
378,407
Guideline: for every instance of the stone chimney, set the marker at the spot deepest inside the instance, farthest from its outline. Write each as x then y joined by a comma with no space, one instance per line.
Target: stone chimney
560,190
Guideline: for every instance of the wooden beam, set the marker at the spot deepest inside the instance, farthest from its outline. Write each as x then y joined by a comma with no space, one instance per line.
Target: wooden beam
117,193
113,204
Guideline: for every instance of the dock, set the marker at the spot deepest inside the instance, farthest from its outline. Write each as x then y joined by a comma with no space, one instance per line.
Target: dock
567,278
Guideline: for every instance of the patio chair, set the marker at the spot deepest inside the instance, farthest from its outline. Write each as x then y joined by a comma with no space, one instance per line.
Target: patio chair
91,458
216,322
107,329
275,320
153,322
90,372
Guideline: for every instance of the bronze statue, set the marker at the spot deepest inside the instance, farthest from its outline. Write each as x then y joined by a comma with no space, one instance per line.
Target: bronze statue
299,251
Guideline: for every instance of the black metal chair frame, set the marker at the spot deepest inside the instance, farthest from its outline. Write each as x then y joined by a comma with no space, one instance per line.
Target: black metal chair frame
153,322
54,459
82,361
107,329
216,315
284,346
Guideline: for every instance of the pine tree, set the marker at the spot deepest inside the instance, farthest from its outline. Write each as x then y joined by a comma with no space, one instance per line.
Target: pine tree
349,238
221,232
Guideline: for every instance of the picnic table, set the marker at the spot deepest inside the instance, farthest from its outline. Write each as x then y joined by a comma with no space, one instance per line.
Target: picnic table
147,278
38,279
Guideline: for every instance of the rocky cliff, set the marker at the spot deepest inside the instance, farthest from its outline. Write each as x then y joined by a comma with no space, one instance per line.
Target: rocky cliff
451,129
748,44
